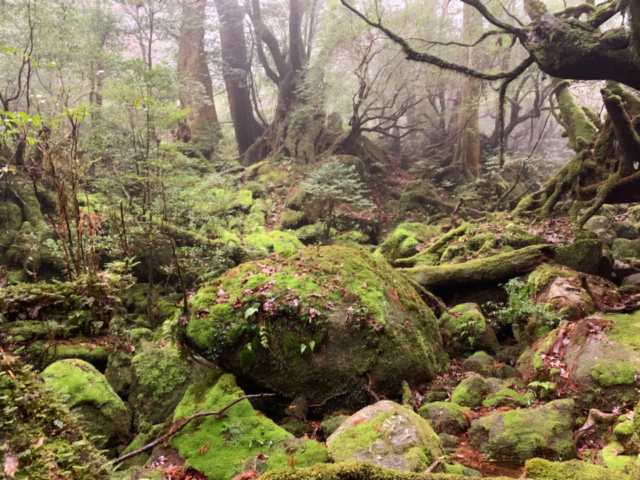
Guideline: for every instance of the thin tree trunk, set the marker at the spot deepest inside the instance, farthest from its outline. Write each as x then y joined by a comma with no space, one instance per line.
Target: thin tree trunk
235,70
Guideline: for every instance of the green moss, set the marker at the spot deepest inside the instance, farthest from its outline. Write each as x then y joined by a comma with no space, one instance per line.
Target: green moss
96,355
377,320
544,275
159,378
626,329
609,374
331,424
540,469
446,415
244,198
612,457
580,255
480,362
523,434
464,329
353,239
458,469
404,241
220,447
376,437
273,242
28,412
291,219
356,471
257,189
88,394
469,392
625,248
505,398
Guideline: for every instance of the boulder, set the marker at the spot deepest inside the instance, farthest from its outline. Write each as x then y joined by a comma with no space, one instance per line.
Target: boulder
219,448
88,395
612,458
388,435
480,362
626,229
469,392
318,324
598,222
518,435
406,241
445,416
581,255
494,385
540,469
632,280
331,424
624,248
464,329
506,398
606,236
604,355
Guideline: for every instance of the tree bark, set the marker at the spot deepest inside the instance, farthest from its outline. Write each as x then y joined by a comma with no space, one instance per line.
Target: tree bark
202,129
235,70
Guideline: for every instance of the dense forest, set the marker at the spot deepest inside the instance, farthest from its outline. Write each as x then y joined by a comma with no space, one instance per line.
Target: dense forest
327,240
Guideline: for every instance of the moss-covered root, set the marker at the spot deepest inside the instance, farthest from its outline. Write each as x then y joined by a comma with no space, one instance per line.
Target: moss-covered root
482,270
540,469
356,471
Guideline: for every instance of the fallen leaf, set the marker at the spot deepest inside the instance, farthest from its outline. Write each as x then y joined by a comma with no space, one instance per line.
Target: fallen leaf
204,448
10,465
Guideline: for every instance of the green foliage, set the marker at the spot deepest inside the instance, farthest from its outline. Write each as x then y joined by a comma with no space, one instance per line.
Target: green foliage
333,184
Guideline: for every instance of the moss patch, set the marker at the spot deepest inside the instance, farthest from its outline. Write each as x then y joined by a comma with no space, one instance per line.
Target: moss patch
540,469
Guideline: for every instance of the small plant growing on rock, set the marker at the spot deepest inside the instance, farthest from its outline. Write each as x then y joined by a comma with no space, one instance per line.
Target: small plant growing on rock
334,184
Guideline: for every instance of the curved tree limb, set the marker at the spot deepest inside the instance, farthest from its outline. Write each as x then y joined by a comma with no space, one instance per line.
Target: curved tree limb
176,427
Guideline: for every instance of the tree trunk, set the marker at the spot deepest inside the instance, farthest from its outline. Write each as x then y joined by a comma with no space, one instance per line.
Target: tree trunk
235,70
202,129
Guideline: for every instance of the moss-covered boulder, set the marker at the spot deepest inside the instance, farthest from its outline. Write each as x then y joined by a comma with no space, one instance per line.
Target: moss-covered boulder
88,394
388,435
38,434
581,255
275,241
506,397
625,248
317,324
406,241
291,219
469,392
464,329
480,362
159,379
331,424
613,458
519,435
604,355
220,448
445,416
540,469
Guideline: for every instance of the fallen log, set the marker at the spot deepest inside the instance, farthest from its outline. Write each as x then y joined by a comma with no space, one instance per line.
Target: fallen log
482,270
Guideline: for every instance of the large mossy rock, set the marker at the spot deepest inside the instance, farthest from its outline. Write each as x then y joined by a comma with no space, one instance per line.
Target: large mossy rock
220,448
88,394
519,435
159,379
358,471
317,324
38,434
581,255
406,241
388,435
446,416
625,248
540,469
469,392
464,329
604,356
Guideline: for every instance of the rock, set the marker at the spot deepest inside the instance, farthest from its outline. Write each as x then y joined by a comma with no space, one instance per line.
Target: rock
480,363
331,424
494,385
469,392
436,396
273,242
613,459
621,269
632,280
406,241
445,417
624,248
88,395
607,236
519,435
388,435
464,329
257,189
447,441
506,398
580,255
334,317
540,469
219,447
505,371
291,219
626,230
598,222
159,379
606,361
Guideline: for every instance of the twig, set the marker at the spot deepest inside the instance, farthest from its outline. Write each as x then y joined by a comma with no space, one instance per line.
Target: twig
179,426
435,464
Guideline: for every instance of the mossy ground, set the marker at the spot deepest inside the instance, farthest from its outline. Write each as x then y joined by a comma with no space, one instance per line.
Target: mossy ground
220,447
541,469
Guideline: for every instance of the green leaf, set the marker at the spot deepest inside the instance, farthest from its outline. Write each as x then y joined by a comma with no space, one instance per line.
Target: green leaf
250,311
303,347
32,141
